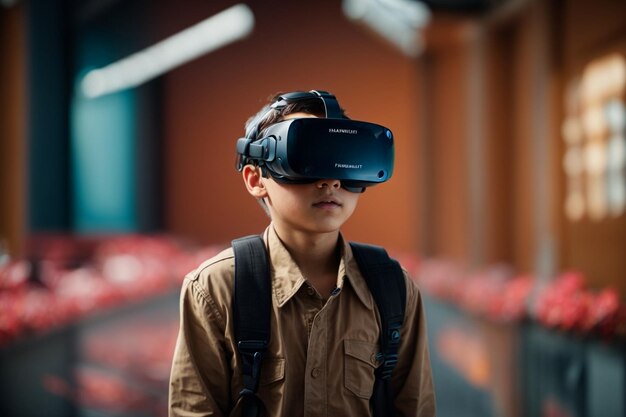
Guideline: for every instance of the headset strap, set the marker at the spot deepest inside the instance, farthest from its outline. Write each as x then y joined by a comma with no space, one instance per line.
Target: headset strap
385,280
252,308
331,106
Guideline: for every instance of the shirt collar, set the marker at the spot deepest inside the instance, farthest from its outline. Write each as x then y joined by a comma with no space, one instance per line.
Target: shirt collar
287,278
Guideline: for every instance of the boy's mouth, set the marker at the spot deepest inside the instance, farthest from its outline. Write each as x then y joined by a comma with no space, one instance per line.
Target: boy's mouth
327,203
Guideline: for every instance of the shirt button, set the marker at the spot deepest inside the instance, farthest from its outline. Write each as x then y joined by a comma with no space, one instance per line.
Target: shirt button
316,372
310,291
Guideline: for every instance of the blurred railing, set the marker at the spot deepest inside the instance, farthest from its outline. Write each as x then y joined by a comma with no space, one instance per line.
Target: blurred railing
504,346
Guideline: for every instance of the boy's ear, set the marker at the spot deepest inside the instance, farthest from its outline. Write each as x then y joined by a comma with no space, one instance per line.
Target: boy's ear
253,178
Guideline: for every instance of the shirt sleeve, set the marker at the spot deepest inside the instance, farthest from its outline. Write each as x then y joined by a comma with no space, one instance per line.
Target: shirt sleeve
412,378
201,373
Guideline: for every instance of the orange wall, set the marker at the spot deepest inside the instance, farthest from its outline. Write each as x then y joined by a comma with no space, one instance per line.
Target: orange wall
498,116
12,133
448,138
488,137
295,45
522,140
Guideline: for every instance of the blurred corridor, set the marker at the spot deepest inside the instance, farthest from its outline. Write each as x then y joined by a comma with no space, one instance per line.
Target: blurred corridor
118,124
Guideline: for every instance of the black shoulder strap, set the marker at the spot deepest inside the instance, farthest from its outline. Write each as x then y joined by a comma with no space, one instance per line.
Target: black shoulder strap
385,280
252,313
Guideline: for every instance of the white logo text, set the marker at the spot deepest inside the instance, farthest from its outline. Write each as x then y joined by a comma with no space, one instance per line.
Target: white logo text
348,131
348,166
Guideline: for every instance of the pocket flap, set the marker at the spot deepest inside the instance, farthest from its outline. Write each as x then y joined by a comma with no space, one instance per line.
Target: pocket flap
363,351
273,369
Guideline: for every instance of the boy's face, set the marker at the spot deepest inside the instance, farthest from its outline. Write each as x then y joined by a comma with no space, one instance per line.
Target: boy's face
319,207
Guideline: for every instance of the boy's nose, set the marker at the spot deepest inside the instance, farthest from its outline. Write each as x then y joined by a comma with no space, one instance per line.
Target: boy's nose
328,183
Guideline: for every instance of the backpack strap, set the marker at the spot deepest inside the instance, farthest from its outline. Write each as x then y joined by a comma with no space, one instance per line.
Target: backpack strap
385,280
252,313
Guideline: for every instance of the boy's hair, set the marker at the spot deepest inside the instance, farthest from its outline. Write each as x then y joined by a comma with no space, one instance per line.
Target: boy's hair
268,116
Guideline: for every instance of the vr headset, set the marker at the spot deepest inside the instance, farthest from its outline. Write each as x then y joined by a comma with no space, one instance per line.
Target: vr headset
305,150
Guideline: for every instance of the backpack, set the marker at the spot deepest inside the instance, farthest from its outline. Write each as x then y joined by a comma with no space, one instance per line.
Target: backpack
253,309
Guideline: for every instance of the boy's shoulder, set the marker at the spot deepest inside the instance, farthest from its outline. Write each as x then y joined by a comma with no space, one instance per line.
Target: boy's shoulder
216,273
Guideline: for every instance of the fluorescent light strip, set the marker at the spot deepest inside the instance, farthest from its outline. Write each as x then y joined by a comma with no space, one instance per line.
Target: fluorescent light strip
221,29
398,21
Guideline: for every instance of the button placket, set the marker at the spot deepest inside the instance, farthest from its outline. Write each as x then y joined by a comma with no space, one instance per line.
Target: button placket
309,318
315,384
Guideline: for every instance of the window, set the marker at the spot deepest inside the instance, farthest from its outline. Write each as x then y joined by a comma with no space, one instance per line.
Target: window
595,141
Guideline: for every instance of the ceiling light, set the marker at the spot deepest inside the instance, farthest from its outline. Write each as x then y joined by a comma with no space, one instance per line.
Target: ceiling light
398,21
221,29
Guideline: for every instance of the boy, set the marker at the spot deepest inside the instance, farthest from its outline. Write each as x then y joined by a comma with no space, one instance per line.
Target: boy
325,325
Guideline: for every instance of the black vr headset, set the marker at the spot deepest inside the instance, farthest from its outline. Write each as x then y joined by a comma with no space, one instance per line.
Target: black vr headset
305,150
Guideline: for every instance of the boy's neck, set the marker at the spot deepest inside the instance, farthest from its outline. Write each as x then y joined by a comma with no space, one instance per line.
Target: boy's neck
317,256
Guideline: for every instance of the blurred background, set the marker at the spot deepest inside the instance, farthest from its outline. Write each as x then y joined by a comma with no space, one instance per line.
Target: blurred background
118,123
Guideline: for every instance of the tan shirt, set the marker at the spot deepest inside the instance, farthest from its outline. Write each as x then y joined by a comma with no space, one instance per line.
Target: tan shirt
322,353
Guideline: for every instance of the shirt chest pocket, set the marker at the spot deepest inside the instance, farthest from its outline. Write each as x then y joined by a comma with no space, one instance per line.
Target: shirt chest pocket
360,362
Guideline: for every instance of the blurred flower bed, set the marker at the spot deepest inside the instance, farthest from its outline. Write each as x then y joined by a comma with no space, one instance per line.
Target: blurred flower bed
498,294
65,278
